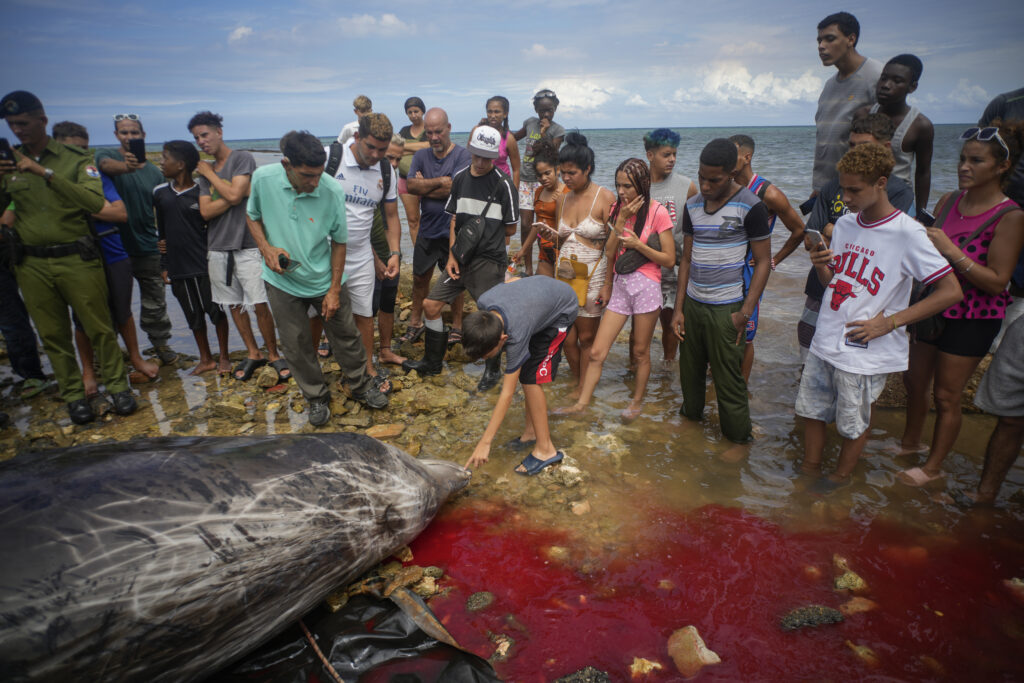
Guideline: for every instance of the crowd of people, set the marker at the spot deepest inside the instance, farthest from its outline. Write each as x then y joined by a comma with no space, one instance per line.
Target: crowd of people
311,247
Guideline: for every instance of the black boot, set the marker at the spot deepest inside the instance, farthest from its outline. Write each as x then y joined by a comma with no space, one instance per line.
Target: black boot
492,374
434,346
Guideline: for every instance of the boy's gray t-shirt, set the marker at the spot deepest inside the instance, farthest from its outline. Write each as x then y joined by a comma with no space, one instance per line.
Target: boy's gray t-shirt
228,231
671,193
838,101
526,172
529,306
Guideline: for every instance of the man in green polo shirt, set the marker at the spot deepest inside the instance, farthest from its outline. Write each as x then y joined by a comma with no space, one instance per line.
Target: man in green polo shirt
291,215
55,188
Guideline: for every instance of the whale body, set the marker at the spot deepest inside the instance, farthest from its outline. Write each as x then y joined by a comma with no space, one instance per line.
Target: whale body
165,559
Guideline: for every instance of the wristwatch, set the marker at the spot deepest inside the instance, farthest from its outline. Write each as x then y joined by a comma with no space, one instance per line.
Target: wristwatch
395,253
47,174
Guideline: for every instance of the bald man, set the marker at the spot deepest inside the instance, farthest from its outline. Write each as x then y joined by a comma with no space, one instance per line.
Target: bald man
430,178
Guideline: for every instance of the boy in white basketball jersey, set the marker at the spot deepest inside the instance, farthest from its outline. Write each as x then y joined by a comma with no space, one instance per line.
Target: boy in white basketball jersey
877,251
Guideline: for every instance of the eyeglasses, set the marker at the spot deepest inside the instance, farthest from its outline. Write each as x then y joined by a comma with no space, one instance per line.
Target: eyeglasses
125,117
985,135
545,94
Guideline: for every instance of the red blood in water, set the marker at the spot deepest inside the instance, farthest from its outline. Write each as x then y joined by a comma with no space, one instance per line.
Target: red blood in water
733,575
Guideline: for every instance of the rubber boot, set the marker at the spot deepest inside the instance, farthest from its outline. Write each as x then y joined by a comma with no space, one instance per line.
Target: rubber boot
434,346
492,374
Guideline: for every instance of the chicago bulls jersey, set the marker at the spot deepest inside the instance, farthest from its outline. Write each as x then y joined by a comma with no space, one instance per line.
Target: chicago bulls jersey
874,264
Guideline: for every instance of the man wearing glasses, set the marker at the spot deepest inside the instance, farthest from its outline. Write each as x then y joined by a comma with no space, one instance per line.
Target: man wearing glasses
135,179
54,188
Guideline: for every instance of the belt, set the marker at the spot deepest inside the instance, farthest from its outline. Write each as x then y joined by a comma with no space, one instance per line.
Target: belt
52,250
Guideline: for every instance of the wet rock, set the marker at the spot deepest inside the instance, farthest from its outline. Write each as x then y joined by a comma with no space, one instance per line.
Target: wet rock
406,576
580,508
556,553
267,377
433,572
566,473
587,675
396,384
847,579
338,407
689,653
864,654
811,615
665,585
273,407
385,431
232,409
413,448
403,554
68,430
364,420
857,606
332,367
246,427
502,647
464,381
336,600
642,667
479,601
812,573
278,389
426,587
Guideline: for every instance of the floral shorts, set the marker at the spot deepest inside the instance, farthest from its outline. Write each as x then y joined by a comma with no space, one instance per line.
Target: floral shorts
634,293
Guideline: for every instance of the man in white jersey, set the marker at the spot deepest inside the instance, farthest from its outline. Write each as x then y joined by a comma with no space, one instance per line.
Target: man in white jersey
361,174
876,254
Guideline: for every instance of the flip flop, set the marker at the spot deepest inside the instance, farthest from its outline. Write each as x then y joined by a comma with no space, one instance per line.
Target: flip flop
283,373
917,477
136,377
247,367
383,383
412,334
454,337
517,444
824,486
324,350
534,465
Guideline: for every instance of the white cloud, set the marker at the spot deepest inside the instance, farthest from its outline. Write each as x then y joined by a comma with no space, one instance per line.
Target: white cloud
240,33
636,100
578,95
538,51
968,95
387,25
731,83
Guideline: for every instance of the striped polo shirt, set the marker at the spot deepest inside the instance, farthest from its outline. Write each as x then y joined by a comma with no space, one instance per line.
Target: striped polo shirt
721,241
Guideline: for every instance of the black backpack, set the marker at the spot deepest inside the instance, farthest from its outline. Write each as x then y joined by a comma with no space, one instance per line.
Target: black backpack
334,161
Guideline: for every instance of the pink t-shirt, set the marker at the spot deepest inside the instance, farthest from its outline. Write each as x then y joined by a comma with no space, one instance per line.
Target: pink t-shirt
658,221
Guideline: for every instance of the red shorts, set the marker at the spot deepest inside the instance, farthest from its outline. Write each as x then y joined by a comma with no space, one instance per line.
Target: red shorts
545,355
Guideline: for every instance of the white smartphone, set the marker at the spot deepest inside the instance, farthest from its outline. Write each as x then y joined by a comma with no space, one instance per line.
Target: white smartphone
815,237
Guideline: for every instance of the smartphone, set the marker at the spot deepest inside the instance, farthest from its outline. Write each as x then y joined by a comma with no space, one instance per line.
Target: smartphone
137,146
808,206
287,265
6,153
926,219
815,237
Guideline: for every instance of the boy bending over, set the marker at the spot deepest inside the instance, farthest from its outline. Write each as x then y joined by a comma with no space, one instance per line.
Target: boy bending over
528,319
876,252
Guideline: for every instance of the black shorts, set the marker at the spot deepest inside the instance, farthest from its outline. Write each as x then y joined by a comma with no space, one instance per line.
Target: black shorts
477,277
545,355
964,337
119,293
384,294
429,252
193,293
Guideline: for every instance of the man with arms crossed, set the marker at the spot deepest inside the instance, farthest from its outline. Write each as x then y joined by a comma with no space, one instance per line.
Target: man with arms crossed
291,216
233,259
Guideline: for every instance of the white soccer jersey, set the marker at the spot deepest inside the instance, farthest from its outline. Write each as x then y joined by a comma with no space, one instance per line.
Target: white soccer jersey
874,264
363,189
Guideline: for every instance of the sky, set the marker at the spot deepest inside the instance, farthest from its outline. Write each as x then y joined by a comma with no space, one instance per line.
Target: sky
268,68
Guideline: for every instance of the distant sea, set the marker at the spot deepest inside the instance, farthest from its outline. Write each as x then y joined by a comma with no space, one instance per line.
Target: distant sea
784,153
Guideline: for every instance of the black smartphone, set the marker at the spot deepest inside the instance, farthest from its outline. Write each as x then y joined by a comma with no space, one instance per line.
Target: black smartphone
6,153
287,265
808,206
926,219
137,146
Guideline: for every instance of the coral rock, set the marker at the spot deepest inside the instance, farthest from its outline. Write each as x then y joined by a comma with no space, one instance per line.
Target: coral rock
479,601
857,605
267,377
847,579
811,615
689,652
385,431
642,667
865,654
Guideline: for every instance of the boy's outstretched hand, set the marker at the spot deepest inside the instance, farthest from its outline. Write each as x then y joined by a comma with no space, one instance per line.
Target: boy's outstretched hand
479,456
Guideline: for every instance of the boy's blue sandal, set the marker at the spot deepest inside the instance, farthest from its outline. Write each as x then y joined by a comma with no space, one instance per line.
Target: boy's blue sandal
534,465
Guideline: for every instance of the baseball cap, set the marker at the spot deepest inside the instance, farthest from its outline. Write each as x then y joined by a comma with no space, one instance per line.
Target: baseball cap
485,142
19,102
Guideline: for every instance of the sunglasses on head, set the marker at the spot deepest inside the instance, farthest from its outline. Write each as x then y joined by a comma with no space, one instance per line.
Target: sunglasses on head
125,117
985,135
544,94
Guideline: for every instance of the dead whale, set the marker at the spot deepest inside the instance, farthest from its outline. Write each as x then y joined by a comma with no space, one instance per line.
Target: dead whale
164,559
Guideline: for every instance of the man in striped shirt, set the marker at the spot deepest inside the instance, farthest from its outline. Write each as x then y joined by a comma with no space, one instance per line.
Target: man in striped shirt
713,304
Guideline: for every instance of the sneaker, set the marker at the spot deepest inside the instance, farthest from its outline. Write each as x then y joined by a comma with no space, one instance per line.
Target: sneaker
319,411
165,354
80,411
124,402
371,397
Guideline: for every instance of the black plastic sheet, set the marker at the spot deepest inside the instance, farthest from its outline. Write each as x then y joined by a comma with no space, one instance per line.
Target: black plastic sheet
369,640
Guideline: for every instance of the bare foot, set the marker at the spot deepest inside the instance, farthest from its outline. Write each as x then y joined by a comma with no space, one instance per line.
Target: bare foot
574,395
902,450
571,410
204,367
150,370
632,412
735,453
812,468
224,366
91,387
389,357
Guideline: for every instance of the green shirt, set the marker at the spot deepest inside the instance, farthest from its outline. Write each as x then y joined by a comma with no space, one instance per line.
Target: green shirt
56,212
301,225
136,189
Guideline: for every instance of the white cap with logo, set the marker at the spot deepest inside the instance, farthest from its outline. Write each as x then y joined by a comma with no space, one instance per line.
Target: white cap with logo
485,142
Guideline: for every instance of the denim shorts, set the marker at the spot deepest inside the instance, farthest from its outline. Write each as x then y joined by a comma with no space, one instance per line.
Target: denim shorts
833,395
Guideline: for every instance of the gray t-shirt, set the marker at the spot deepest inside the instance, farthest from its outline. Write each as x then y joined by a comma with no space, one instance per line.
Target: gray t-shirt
529,306
228,231
671,193
532,125
838,101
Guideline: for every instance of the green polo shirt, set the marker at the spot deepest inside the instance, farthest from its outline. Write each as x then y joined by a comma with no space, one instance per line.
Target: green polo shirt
301,225
136,189
56,212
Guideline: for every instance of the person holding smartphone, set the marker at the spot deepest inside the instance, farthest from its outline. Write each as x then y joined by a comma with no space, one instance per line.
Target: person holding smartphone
545,206
135,178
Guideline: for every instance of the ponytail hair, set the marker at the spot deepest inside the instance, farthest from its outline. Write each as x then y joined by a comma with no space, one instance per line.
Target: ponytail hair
575,151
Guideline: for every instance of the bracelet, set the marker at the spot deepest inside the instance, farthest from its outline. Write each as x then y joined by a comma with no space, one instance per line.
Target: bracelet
893,319
953,263
967,269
